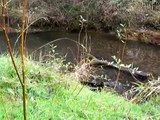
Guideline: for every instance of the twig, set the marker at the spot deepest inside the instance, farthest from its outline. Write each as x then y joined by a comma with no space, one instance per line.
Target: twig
25,30
59,40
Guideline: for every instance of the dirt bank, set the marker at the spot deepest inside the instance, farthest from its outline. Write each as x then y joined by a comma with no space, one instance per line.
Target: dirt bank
100,14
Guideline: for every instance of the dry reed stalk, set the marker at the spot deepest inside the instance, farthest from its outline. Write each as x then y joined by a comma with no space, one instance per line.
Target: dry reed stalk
4,27
121,57
79,41
8,40
22,59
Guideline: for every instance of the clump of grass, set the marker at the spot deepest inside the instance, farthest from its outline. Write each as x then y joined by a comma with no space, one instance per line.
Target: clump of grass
145,91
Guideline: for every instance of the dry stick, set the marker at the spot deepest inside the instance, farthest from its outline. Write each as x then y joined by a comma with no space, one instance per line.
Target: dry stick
3,10
79,41
22,57
59,39
124,46
26,30
11,55
8,41
85,41
80,90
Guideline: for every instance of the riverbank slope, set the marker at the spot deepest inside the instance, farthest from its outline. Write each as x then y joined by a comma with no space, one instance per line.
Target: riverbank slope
99,14
55,95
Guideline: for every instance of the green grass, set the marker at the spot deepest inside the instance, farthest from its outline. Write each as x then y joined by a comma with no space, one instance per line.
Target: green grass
57,96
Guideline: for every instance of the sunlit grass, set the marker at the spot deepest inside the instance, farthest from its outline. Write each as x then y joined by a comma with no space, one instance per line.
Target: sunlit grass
55,96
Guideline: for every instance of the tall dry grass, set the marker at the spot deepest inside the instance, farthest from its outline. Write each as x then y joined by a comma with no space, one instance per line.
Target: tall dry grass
22,77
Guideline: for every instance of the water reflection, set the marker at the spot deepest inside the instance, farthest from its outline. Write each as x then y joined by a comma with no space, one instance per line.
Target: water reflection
145,56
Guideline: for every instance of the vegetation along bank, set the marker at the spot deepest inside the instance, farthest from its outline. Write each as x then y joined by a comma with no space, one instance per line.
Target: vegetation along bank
104,15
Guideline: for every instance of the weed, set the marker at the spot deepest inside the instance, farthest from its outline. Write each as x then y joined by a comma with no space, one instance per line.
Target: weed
145,91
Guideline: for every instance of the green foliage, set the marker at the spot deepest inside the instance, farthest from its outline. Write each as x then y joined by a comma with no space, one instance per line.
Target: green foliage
57,96
121,32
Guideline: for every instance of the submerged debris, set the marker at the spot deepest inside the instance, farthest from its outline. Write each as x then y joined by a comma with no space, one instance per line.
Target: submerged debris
124,79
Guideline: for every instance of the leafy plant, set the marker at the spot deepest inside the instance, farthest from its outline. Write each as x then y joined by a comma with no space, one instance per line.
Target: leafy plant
121,32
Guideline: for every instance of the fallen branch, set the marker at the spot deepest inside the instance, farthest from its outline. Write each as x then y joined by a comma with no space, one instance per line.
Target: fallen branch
137,75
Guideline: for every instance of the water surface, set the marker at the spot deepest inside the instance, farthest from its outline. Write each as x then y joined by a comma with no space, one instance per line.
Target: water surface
102,45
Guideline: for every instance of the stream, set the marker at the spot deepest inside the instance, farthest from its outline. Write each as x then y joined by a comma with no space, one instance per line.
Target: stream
102,45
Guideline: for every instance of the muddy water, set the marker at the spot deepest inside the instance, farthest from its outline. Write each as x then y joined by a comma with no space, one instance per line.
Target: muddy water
102,45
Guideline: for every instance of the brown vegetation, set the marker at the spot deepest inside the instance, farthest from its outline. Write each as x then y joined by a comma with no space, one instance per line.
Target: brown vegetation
146,36
100,14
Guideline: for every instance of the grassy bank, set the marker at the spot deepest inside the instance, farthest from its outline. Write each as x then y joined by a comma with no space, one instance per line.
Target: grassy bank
56,96
100,14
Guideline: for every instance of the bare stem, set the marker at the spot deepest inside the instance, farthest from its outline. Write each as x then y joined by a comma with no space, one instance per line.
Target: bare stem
22,57
8,40
121,57
79,41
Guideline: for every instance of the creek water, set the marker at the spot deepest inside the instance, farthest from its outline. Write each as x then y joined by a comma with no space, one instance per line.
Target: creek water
102,45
